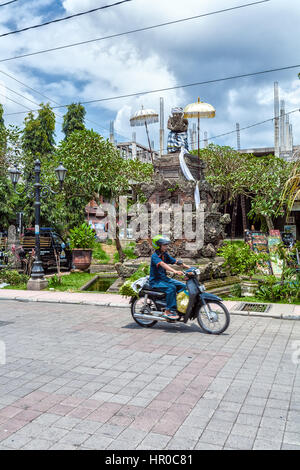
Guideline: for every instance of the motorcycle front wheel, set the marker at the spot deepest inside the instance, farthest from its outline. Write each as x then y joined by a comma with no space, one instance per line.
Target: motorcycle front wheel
138,306
213,317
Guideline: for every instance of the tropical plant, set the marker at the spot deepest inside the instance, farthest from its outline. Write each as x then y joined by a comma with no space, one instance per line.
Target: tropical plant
240,259
233,175
82,236
95,168
273,290
13,277
291,190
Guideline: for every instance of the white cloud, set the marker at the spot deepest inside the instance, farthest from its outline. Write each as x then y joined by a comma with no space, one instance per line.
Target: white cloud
249,39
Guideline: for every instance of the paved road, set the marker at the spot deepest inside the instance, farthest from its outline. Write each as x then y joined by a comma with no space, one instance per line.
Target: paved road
88,377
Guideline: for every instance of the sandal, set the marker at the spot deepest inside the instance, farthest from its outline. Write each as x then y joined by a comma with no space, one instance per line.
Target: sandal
171,316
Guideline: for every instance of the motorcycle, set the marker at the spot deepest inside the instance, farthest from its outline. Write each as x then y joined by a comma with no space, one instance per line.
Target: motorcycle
213,317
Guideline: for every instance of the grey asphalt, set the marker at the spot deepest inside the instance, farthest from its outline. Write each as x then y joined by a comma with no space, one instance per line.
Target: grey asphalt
88,377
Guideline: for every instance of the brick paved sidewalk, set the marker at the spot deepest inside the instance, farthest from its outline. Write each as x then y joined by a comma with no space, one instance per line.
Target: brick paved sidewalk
288,311
88,377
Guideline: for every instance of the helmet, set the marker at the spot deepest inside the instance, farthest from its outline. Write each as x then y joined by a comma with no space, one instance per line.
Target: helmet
160,240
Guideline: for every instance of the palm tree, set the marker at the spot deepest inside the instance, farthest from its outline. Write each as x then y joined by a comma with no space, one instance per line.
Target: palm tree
291,191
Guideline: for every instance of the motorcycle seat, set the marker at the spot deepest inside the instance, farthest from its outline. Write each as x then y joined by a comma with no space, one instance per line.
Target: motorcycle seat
153,292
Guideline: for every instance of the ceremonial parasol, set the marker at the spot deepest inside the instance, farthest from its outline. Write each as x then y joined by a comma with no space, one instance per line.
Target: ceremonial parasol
144,117
199,110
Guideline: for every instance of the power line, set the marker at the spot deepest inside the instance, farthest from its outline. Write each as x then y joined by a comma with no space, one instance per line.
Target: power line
247,127
16,102
7,3
44,96
27,86
130,32
207,82
251,125
28,99
63,19
19,94
202,140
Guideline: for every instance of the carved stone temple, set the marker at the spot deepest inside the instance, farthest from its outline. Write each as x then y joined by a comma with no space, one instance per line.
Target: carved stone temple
169,186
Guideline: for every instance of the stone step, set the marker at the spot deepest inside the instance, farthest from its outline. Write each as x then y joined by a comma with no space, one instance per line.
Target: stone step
102,268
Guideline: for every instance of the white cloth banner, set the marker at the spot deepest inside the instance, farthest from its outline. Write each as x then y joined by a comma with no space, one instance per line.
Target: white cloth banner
188,175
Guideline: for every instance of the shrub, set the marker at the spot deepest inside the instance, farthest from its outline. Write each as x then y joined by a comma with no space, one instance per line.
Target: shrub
54,281
82,237
273,290
13,277
236,290
241,259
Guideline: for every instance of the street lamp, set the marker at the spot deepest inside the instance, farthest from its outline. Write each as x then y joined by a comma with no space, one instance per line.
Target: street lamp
37,280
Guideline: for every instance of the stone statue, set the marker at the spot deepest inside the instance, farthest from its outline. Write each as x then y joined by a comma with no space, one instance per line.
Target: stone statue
178,127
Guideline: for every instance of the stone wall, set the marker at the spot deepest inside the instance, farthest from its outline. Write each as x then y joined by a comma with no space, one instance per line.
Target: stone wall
169,187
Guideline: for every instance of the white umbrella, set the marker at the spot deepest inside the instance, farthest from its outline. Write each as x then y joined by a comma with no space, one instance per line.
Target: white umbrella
199,110
143,117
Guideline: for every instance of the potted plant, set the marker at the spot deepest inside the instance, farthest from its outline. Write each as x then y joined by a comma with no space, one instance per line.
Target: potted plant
82,241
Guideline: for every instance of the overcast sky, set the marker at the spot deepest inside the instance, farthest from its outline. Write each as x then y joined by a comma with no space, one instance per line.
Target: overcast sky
246,40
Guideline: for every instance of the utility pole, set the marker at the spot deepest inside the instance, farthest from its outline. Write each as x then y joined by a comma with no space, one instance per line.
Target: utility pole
205,140
134,154
162,125
238,136
112,133
282,126
276,120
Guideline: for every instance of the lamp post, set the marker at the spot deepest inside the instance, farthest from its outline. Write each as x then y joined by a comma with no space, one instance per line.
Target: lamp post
37,280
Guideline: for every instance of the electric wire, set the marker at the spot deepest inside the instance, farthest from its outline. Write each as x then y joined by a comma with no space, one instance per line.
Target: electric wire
251,125
49,99
207,82
40,25
7,3
16,102
246,127
129,32
201,140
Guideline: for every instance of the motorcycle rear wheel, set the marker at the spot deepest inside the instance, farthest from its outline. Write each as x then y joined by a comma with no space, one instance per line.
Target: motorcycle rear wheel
220,318
138,306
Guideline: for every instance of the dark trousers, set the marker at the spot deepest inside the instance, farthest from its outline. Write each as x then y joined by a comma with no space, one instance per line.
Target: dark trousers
170,287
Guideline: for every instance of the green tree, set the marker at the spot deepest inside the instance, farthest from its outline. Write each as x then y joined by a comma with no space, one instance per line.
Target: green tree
267,177
73,119
95,168
233,174
291,190
39,132
10,155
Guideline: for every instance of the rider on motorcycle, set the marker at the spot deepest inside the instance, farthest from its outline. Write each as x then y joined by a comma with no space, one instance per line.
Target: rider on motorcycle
160,263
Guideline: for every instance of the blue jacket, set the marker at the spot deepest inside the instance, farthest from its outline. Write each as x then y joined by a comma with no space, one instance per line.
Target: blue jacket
157,272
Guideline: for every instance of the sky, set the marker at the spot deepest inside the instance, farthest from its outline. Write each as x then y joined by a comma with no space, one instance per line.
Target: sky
251,39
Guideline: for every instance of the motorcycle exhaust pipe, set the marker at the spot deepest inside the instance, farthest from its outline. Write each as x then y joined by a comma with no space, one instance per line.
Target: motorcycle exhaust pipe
149,317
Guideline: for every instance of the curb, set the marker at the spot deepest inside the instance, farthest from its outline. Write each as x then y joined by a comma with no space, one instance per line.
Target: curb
278,316
68,302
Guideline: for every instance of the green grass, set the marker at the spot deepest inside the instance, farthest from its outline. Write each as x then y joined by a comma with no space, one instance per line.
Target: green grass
128,252
100,255
18,287
72,282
